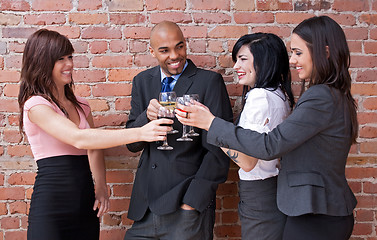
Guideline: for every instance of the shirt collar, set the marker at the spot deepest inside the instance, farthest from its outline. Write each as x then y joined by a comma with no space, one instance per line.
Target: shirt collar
173,76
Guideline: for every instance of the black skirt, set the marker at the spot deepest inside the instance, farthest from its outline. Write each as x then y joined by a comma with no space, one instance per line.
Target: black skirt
62,202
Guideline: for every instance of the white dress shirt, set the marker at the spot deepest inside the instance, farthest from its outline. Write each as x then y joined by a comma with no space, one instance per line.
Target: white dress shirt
263,111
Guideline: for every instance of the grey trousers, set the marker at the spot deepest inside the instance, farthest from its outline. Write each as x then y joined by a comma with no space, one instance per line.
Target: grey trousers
180,225
258,212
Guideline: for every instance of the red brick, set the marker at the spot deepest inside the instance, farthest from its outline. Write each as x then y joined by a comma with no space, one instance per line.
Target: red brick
15,235
1,63
16,47
362,229
370,103
25,178
82,90
137,46
11,90
13,120
118,151
350,5
12,136
107,234
356,33
10,223
18,207
253,17
19,151
165,5
273,5
307,5
370,47
215,46
226,61
7,105
109,89
110,120
123,104
210,5
120,176
137,32
13,61
368,132
85,75
98,47
343,19
70,32
88,18
355,46
101,33
212,18
366,76
178,17
228,31
98,104
363,61
3,208
118,205
112,61
194,31
12,193
8,19
360,173
363,215
80,46
127,18
229,217
111,220
364,89
85,5
44,19
42,5
227,231
282,32
291,18
227,189
81,61
145,61
203,61
234,89
197,46
118,75
125,5
366,117
230,202
18,32
368,147
14,5
244,5
118,46
123,190
369,187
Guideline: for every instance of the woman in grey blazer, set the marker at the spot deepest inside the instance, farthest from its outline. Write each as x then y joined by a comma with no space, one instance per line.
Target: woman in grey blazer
313,142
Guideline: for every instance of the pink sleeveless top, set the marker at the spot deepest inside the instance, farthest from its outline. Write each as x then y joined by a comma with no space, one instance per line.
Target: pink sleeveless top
44,145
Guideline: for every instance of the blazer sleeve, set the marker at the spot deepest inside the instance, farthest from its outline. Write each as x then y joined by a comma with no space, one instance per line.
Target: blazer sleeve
138,115
311,115
215,165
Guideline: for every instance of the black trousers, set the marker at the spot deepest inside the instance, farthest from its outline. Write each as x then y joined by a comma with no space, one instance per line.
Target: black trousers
62,202
318,227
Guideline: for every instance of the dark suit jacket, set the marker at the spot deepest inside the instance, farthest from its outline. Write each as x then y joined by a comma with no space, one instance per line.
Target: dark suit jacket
313,143
191,172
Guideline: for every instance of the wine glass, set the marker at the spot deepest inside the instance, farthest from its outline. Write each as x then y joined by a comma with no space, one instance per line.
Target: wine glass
183,101
165,113
192,133
168,100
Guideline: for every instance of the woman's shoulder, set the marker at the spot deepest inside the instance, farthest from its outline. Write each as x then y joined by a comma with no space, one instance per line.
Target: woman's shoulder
37,100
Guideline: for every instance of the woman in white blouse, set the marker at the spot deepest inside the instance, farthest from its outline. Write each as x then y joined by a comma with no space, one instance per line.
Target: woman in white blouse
262,66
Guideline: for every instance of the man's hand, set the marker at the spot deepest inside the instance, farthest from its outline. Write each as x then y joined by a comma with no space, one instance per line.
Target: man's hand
152,109
186,207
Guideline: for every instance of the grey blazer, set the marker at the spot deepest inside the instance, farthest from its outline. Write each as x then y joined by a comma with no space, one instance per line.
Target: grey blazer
191,172
313,144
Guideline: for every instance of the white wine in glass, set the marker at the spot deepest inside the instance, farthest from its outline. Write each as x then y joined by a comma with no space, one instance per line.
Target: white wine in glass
168,100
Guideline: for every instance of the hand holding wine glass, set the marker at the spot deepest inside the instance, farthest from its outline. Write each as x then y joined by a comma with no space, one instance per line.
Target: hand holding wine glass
183,101
168,100
155,130
194,98
164,112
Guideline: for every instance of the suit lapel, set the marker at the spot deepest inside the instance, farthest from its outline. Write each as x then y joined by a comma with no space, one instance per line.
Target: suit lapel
155,83
185,80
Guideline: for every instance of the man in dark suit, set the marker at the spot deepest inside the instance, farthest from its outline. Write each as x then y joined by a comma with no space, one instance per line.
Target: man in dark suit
174,192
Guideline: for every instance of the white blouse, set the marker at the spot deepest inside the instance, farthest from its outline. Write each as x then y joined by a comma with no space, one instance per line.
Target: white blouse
263,111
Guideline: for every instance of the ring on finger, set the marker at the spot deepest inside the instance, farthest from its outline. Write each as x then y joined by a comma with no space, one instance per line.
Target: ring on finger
187,114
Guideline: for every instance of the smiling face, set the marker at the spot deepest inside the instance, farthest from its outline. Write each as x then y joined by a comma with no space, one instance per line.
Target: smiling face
168,46
245,67
62,71
301,58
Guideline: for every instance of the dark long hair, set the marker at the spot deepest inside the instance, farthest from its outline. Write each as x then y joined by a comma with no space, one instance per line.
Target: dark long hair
42,49
331,58
271,62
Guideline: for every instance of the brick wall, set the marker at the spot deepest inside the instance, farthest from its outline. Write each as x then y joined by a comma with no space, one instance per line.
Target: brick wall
111,42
